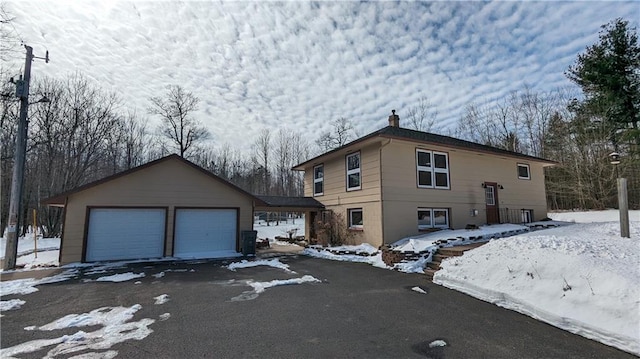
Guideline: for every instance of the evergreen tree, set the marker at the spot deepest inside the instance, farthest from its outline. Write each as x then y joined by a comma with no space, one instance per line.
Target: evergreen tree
609,75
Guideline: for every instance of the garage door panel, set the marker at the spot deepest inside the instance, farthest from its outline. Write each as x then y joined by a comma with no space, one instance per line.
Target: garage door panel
205,233
125,233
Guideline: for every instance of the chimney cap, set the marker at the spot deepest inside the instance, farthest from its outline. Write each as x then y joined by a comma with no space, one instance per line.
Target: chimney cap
393,112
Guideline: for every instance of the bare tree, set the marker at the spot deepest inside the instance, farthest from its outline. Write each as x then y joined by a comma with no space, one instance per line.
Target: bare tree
342,131
8,35
422,117
178,126
262,149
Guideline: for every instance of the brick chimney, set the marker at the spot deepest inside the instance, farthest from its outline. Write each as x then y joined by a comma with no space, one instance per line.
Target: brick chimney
394,120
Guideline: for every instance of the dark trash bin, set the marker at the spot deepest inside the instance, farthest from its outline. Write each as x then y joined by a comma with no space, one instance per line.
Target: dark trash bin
249,242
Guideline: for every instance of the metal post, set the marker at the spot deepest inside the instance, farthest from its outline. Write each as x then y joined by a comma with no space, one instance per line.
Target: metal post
11,250
624,208
35,233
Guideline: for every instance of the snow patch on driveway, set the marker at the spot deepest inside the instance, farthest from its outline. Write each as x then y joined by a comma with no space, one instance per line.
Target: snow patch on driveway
161,299
11,304
121,277
116,328
275,263
260,287
28,285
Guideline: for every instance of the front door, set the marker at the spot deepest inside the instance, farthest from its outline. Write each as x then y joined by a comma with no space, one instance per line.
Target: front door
491,200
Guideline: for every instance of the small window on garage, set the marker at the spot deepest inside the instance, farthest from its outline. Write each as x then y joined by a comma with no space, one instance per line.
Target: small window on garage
355,218
523,171
318,180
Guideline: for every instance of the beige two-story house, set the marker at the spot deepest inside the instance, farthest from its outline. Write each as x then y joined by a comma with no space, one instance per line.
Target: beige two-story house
396,182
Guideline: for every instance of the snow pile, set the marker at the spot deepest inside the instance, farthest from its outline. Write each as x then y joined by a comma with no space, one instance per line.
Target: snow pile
364,249
448,237
582,278
116,328
121,277
322,252
275,263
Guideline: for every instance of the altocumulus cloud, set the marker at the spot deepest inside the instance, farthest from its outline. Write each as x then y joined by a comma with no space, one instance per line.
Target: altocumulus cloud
299,65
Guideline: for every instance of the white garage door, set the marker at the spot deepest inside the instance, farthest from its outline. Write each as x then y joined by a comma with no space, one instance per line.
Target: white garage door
125,233
205,233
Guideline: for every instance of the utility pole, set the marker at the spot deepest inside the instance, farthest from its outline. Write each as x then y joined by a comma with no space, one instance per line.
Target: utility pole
22,92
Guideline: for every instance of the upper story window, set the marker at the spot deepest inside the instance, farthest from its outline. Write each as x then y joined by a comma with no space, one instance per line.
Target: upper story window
318,180
432,169
353,171
523,171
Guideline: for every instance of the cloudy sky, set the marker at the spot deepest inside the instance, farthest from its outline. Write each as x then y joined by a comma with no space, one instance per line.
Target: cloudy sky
299,65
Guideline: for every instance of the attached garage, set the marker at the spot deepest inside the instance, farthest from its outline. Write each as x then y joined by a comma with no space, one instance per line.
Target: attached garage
205,232
125,233
166,208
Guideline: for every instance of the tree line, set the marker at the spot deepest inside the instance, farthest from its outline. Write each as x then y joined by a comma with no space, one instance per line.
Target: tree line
84,133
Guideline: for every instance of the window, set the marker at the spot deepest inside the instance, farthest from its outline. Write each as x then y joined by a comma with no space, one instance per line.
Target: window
432,169
527,215
355,218
433,218
318,180
490,196
523,171
353,171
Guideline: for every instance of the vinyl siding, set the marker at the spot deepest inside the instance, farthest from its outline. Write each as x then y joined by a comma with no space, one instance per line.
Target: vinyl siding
467,171
168,184
338,199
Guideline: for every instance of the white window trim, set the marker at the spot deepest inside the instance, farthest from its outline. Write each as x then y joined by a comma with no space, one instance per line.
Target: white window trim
433,219
352,171
528,171
432,169
441,170
424,169
318,180
350,213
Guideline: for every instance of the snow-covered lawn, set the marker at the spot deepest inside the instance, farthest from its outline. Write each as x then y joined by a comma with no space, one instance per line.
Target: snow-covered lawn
583,278
46,255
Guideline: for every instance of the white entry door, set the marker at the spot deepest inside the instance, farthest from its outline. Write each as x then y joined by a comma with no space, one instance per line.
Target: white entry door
205,233
125,233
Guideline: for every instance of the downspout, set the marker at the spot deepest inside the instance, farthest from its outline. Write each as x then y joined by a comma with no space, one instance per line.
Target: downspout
382,189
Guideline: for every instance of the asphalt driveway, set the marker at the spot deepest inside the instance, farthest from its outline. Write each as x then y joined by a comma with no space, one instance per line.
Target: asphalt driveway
356,311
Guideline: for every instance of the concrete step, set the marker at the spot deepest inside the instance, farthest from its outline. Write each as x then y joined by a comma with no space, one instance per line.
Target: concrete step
433,265
458,250
444,253
429,273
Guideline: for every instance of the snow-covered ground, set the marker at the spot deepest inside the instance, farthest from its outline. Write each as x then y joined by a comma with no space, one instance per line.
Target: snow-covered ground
583,278
609,215
46,255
